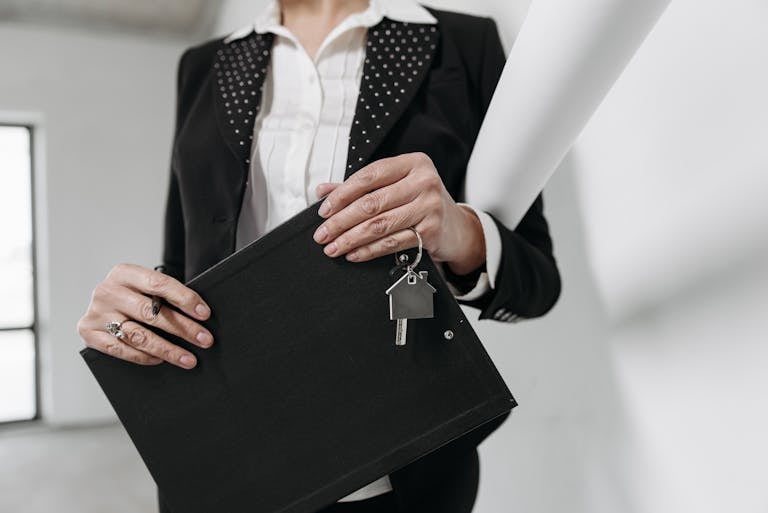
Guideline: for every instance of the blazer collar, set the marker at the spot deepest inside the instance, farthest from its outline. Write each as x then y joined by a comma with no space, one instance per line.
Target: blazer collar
240,68
398,57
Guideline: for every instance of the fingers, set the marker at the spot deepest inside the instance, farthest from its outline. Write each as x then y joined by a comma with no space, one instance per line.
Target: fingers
124,294
368,206
146,341
380,200
156,283
139,345
139,307
396,242
379,227
373,176
324,189
111,345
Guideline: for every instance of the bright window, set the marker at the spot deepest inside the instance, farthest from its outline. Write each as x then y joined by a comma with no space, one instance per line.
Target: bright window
18,348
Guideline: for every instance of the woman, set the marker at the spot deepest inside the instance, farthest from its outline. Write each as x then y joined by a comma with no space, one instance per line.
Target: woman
374,106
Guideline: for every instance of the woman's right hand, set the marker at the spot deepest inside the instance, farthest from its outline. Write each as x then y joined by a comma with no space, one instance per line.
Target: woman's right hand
125,296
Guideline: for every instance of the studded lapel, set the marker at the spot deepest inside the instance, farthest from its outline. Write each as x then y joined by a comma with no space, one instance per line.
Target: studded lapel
240,69
397,59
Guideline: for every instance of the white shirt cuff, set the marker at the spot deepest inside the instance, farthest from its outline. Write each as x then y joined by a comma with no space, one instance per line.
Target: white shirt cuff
487,279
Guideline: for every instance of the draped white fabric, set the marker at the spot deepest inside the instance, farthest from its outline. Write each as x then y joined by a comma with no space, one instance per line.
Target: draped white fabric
563,63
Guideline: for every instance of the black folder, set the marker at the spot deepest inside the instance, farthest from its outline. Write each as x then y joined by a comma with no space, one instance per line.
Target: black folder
304,397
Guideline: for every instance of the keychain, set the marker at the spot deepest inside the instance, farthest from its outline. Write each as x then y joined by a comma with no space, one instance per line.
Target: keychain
410,297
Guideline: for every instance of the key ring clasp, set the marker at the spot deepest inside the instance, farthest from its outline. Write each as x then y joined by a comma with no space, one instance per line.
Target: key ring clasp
402,259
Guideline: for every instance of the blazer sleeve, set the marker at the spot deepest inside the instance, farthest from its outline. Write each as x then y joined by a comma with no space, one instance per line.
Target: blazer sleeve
174,240
528,282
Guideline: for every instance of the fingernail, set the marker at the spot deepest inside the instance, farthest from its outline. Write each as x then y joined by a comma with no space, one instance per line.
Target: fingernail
205,338
202,310
325,209
321,234
187,360
330,249
353,257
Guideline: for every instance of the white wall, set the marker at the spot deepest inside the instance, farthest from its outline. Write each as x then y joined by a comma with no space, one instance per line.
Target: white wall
673,177
674,163
237,13
103,109
693,382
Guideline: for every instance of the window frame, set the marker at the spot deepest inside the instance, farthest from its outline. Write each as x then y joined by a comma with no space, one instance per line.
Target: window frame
34,327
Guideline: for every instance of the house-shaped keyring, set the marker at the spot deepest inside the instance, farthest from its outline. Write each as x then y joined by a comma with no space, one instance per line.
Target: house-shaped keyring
410,297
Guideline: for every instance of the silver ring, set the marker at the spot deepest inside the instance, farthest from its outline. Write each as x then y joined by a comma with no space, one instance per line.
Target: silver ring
404,258
114,329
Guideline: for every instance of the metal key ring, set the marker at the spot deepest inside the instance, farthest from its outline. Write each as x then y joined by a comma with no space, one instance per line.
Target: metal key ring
418,253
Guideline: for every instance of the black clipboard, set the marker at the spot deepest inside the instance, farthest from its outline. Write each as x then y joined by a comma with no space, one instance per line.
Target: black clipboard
304,397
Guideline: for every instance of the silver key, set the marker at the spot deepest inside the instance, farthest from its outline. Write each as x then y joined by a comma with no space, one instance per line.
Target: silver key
401,332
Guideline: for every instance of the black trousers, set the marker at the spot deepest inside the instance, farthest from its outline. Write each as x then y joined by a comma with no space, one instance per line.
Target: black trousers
446,485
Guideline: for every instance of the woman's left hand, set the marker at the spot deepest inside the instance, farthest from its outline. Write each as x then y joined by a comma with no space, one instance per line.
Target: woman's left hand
369,215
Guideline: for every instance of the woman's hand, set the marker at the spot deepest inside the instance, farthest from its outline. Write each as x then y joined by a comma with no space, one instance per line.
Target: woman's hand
124,296
368,215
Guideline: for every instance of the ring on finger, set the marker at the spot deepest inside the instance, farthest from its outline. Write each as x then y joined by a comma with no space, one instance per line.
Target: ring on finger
114,328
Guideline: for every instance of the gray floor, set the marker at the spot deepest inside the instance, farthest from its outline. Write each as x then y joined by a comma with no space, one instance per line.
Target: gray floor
83,470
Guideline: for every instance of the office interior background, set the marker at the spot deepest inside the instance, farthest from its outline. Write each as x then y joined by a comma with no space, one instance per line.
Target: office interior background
643,391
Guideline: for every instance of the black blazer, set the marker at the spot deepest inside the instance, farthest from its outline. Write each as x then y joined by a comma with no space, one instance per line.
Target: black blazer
424,88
